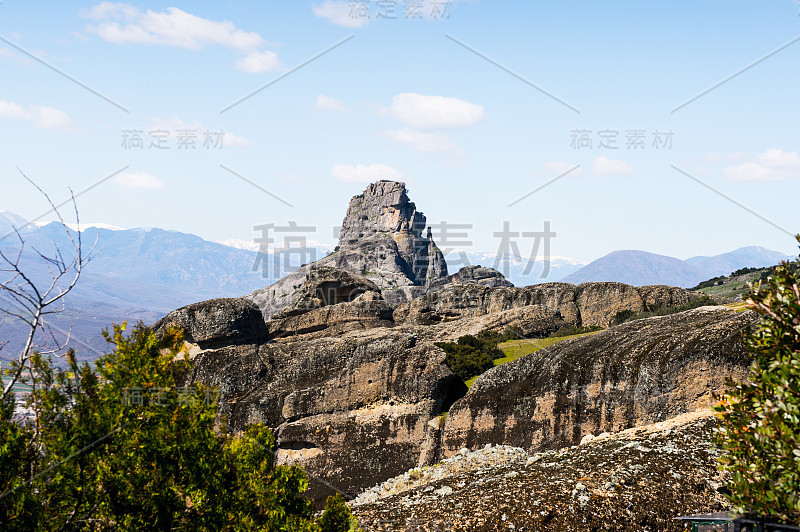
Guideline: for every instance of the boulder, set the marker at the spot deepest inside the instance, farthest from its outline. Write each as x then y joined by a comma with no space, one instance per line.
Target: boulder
217,322
660,295
472,275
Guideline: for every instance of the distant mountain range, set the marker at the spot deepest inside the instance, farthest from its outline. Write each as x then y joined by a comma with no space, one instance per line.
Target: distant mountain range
137,274
639,268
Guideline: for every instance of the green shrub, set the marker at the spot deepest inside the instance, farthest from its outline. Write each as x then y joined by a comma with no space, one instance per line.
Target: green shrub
103,461
337,516
759,430
472,355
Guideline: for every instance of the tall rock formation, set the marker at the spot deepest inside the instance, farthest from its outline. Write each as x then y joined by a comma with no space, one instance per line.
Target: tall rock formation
381,239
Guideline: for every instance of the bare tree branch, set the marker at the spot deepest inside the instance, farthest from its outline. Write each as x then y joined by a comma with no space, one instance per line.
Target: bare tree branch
36,301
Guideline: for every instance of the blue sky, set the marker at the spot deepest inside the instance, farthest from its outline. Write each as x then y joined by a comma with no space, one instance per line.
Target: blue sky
428,100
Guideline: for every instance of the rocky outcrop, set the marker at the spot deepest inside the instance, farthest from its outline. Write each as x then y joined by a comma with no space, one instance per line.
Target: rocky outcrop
470,300
598,303
641,478
352,409
382,240
382,210
637,373
217,322
589,304
660,295
366,311
472,275
352,396
339,358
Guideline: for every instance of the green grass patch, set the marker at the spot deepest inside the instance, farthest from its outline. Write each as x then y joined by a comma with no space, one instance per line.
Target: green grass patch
514,349
731,289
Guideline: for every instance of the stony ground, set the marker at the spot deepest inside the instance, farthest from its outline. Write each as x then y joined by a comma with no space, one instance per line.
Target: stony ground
638,479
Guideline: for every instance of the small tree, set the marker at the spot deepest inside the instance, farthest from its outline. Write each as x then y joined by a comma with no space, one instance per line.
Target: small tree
126,446
760,420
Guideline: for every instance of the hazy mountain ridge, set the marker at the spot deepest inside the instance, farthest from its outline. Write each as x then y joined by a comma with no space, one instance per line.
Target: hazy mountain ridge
640,268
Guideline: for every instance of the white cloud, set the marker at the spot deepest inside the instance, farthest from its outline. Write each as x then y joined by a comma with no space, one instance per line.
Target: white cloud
424,142
339,13
49,118
111,10
12,110
780,159
772,165
361,173
39,116
132,180
326,103
559,167
122,23
259,62
435,112
603,166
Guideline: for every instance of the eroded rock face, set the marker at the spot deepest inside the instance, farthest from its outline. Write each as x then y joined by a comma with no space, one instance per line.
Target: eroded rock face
351,409
381,240
469,300
356,397
660,295
366,311
598,303
217,322
589,304
640,372
384,209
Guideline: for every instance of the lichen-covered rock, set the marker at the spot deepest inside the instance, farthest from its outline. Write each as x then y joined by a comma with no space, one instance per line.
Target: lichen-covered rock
636,373
217,322
641,478
660,295
598,303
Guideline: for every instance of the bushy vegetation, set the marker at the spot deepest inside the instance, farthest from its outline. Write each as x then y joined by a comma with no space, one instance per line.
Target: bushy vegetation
472,355
629,315
759,430
716,281
124,447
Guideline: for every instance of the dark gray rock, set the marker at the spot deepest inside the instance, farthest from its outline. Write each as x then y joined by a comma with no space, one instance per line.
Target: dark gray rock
217,322
381,239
